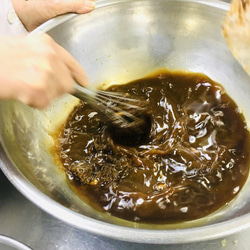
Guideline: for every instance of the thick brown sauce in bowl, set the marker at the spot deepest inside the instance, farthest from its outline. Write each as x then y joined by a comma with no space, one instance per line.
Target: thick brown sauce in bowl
194,160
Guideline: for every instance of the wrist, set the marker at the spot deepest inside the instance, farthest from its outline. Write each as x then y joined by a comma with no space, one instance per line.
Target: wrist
21,8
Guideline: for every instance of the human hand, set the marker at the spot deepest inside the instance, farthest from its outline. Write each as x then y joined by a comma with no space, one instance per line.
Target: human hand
35,70
33,13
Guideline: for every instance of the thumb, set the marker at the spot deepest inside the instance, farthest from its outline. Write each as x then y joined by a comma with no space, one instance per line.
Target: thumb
76,6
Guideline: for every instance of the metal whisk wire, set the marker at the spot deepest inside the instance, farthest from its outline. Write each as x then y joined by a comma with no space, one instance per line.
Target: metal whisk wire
114,106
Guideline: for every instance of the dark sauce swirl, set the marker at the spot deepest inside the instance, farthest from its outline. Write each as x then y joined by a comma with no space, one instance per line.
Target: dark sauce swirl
194,161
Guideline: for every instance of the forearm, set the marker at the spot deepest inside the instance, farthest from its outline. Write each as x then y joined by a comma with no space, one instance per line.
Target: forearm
9,22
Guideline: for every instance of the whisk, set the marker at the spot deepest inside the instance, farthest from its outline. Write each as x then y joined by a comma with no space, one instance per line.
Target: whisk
117,109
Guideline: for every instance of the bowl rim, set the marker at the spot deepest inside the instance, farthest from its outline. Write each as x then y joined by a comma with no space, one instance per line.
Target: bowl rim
168,236
52,23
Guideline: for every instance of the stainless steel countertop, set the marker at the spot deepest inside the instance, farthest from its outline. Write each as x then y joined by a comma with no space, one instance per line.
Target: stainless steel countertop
22,220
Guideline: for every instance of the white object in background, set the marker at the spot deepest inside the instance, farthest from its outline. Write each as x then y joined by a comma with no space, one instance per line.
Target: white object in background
10,24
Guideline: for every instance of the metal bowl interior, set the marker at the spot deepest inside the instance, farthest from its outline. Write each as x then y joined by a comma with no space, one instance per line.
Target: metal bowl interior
118,42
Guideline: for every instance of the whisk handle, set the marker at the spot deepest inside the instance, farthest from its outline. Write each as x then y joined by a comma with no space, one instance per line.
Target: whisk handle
84,93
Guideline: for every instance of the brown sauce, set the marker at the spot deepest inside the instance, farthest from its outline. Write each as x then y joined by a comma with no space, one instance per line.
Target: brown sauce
194,160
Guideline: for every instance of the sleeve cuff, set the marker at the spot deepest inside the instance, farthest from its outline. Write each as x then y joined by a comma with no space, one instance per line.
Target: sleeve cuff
10,23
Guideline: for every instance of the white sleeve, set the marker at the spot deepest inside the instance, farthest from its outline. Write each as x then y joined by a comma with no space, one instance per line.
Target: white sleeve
9,21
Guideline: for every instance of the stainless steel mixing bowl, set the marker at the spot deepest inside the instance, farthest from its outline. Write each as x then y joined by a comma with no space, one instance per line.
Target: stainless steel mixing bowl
118,42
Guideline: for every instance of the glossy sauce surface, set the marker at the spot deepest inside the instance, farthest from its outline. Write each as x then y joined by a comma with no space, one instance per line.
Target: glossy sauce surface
194,160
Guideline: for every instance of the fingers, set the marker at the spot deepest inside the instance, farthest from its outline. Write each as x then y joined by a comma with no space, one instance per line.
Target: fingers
59,72
46,76
34,13
77,6
43,70
76,70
